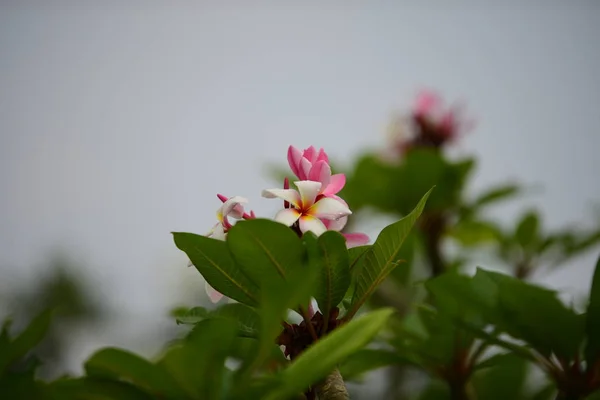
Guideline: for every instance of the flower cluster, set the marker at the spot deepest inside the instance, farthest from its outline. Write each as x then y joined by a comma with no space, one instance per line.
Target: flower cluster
430,124
312,207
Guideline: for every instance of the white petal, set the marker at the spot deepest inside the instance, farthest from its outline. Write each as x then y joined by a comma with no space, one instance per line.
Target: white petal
308,223
329,208
290,195
308,192
231,207
212,293
336,224
218,232
287,216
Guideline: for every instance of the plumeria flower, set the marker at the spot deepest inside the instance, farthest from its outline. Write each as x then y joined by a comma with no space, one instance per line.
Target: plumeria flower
352,239
307,207
313,165
232,207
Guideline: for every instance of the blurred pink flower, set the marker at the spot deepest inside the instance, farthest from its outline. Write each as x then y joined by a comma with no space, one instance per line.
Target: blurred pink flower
437,120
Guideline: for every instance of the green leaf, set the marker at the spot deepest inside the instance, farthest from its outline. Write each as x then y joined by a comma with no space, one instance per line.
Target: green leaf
212,259
493,360
527,233
505,380
355,254
370,184
197,364
331,258
322,357
122,365
496,194
471,232
367,360
25,341
383,257
245,317
592,326
546,392
20,385
93,389
191,316
463,297
277,298
536,315
265,248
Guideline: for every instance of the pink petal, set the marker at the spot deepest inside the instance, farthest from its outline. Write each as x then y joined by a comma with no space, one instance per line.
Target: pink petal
312,224
426,102
323,156
320,172
287,216
355,239
309,190
329,208
212,293
336,183
304,169
335,224
289,195
294,157
310,154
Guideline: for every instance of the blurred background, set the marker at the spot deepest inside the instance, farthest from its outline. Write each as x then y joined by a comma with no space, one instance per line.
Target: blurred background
119,123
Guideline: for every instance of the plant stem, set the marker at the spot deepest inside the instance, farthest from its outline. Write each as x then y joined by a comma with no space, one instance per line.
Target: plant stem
333,387
433,228
458,391
307,321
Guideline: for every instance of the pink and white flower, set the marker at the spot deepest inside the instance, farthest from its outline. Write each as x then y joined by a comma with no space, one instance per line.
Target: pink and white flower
308,207
232,207
352,239
313,165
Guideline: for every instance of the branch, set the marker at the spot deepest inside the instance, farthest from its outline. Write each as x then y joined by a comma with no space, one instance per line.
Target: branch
333,387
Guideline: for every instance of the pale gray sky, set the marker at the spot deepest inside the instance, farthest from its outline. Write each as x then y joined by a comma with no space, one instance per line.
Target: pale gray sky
118,124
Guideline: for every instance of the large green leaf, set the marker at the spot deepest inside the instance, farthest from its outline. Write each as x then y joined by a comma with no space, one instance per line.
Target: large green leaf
524,311
505,380
322,357
212,259
331,258
93,389
25,341
355,254
366,360
121,365
592,326
383,256
536,315
463,297
197,363
370,184
20,385
245,317
265,248
277,298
